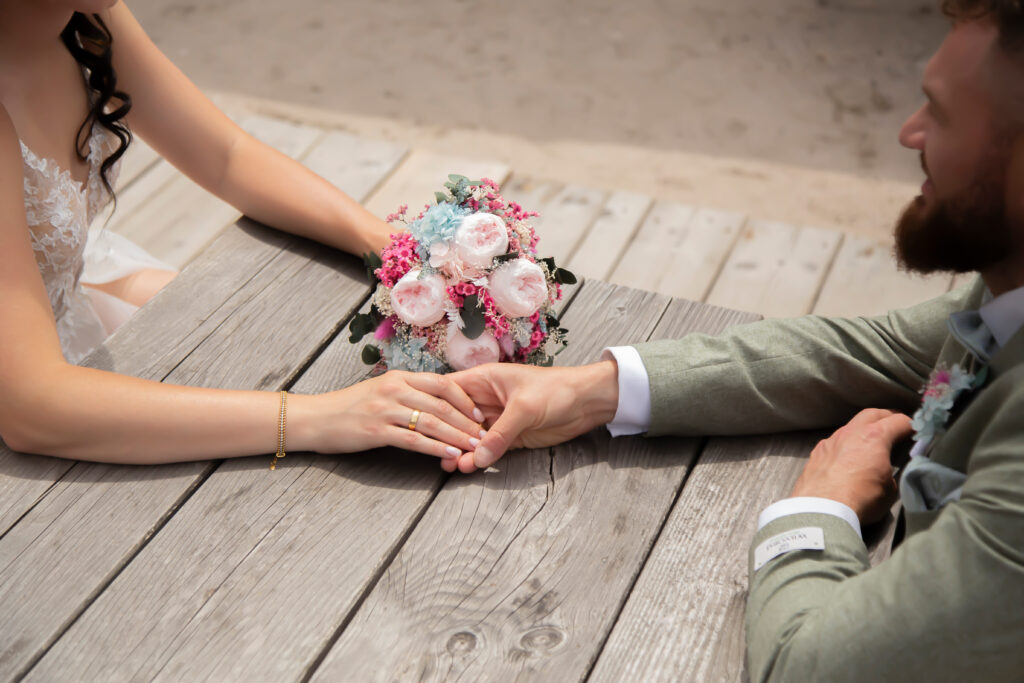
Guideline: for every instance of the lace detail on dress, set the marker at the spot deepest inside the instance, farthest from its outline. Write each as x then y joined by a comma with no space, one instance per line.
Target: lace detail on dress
59,210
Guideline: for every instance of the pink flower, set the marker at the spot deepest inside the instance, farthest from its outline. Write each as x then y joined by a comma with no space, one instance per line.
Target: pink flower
480,238
465,353
386,330
519,288
507,344
419,301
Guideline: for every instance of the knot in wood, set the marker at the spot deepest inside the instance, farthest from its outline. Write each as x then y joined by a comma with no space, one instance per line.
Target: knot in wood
462,642
542,639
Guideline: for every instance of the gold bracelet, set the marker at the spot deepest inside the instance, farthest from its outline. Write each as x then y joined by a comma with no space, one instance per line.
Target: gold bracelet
280,430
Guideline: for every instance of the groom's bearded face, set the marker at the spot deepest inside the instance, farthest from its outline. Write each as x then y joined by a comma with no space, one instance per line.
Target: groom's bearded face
969,231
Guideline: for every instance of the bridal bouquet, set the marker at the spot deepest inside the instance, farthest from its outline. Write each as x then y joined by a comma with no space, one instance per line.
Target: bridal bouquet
462,287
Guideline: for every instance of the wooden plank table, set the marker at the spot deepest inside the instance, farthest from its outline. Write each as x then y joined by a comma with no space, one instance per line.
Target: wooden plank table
601,558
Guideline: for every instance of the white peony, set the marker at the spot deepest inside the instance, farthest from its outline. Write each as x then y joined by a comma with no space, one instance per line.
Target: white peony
465,353
419,301
518,287
479,238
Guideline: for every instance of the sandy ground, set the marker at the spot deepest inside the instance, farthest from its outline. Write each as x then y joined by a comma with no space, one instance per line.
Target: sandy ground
785,109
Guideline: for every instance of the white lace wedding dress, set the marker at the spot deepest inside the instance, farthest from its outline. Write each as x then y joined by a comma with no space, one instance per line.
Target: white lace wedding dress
59,211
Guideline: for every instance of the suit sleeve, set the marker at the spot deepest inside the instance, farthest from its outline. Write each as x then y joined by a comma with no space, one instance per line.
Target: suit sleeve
944,606
800,373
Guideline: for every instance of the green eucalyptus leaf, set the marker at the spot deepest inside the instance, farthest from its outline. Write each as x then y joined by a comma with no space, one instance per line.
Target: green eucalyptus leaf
361,326
371,354
564,277
473,317
455,177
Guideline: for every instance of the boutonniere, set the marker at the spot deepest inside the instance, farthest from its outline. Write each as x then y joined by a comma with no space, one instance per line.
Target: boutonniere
938,397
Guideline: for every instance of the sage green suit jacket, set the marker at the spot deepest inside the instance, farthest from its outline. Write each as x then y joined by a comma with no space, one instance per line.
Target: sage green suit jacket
949,603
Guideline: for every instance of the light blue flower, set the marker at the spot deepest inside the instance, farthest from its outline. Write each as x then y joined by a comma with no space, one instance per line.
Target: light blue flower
411,355
438,224
939,397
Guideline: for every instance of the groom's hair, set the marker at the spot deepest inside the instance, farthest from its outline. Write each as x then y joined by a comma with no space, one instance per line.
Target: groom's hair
1007,15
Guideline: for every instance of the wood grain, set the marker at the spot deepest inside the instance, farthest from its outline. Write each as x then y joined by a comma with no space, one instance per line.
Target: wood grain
423,173
679,250
565,219
646,258
530,193
176,221
249,532
684,618
864,280
699,257
607,239
498,580
775,269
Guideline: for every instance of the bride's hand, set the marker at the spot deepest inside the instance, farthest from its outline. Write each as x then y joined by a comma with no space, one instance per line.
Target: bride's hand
378,412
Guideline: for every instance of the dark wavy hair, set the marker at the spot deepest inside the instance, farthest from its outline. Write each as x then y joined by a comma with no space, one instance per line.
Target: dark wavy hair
1007,15
88,40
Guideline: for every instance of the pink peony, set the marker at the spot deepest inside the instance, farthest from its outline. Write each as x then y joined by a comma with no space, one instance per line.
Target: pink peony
465,353
479,238
518,287
419,301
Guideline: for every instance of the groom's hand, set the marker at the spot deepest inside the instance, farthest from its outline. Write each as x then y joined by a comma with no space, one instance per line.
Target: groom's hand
535,407
853,465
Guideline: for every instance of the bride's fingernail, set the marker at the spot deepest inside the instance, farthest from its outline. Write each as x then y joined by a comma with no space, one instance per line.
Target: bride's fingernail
474,442
453,451
478,415
483,433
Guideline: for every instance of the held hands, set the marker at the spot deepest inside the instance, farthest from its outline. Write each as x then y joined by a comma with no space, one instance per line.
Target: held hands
534,407
852,466
379,412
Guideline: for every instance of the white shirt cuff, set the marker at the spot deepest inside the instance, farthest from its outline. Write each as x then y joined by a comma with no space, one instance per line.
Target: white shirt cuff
793,506
633,414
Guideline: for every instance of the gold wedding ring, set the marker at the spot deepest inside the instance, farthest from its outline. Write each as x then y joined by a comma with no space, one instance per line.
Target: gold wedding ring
413,419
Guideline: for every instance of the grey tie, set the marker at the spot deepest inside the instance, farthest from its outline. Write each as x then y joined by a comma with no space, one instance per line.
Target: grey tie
970,330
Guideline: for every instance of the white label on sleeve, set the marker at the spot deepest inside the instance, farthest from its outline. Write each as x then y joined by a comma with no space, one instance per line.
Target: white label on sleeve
807,538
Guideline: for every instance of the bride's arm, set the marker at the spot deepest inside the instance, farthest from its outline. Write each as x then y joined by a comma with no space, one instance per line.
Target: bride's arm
50,407
180,123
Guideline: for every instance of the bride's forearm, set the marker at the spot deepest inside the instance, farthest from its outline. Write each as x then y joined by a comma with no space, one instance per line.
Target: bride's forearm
88,414
277,190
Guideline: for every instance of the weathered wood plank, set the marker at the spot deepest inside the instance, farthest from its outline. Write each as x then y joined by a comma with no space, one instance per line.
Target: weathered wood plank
679,250
775,269
422,174
192,316
498,579
247,529
684,618
529,193
864,280
24,480
647,256
603,246
565,219
700,256
356,164
181,218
